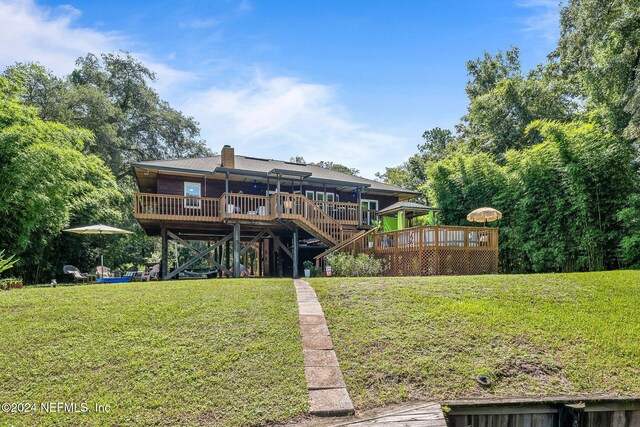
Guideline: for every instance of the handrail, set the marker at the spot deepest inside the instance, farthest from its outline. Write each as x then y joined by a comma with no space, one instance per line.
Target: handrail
436,237
342,245
245,206
343,212
297,206
167,206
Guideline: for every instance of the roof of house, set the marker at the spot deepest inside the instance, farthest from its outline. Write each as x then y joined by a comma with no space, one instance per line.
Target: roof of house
257,167
407,206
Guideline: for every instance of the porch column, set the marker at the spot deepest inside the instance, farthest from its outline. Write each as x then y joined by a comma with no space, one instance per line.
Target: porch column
359,202
236,250
227,253
295,253
226,193
278,198
165,250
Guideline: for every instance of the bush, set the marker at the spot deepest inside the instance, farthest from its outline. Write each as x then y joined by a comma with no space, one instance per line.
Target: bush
344,264
6,263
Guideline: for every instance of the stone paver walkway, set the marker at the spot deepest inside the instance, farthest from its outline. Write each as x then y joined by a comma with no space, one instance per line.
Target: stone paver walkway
328,394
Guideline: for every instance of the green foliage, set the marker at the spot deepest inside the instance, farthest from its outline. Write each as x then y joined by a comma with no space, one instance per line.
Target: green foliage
111,96
559,198
555,149
327,165
48,183
629,218
307,265
598,53
347,265
6,263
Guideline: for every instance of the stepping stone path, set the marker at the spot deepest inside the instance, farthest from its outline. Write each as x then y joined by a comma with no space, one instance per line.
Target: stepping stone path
327,390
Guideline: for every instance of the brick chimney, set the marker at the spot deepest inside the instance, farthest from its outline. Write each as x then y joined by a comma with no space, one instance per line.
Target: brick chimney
228,157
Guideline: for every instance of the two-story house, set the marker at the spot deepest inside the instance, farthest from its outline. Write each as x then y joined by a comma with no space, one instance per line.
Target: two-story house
241,203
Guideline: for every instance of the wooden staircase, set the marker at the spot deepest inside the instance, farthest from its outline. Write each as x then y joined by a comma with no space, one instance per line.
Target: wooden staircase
308,216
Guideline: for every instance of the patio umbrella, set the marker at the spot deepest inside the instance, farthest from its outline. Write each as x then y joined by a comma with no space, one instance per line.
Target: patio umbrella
98,229
484,215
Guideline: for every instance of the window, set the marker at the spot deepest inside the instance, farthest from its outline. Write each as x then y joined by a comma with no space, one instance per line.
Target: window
331,197
192,195
309,195
369,211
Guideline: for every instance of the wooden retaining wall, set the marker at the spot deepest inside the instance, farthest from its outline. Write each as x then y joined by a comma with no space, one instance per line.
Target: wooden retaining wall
546,412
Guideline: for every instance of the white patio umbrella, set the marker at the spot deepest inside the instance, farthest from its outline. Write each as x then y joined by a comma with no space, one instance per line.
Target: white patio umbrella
484,215
98,229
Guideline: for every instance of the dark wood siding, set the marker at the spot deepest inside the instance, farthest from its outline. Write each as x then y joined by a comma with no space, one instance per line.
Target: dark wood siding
174,184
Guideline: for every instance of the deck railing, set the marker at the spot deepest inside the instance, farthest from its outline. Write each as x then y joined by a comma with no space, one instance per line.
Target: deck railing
246,206
297,206
239,206
167,207
343,212
431,250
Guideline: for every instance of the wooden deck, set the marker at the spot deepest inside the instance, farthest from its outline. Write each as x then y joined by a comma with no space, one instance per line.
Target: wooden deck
238,206
422,414
428,250
324,220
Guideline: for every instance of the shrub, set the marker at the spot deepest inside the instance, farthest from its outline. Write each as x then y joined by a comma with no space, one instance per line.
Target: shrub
344,264
6,263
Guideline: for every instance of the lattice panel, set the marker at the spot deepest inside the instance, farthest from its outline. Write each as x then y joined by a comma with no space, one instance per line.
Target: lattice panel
429,262
427,250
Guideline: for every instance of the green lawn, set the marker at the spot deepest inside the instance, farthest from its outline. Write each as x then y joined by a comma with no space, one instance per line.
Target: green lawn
209,352
403,338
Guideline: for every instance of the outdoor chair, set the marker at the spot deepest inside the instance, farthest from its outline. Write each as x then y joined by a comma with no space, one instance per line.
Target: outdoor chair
103,272
75,273
151,274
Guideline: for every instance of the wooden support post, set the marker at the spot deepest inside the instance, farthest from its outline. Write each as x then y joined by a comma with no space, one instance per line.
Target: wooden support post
227,254
236,250
296,274
436,249
226,194
248,246
278,199
359,208
278,244
199,256
165,255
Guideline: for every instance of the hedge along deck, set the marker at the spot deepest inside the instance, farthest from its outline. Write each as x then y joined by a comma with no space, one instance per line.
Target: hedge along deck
429,250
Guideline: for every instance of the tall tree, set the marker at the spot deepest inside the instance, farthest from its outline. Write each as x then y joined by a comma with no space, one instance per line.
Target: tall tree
111,95
47,182
599,53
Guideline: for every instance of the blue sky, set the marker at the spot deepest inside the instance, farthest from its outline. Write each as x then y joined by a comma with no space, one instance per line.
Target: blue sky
355,82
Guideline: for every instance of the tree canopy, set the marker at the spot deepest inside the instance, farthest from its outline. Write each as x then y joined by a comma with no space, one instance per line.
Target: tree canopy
555,149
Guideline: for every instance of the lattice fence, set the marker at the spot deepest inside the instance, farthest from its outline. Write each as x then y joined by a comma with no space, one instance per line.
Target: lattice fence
427,250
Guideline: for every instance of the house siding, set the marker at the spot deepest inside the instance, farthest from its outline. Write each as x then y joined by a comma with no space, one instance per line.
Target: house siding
174,185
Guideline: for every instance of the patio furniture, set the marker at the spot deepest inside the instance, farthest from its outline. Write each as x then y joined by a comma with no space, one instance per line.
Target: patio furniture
151,274
75,273
103,272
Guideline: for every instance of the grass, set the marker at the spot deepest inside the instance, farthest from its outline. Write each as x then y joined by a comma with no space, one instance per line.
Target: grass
403,338
217,352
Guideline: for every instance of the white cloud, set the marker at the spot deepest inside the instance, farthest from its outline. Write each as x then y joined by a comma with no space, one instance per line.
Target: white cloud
29,33
280,117
276,117
545,18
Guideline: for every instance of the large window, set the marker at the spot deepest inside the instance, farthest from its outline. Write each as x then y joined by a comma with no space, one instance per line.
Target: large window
320,196
192,194
369,211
